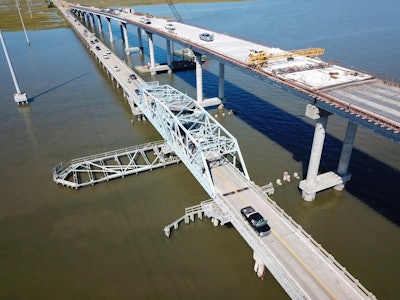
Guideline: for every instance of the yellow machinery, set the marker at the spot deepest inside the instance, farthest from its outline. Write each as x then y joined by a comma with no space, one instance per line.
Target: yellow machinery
261,58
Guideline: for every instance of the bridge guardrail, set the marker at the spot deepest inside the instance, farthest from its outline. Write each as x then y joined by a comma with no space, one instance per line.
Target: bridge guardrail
315,243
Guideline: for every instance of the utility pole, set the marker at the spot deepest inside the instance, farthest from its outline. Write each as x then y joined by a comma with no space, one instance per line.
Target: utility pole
23,25
19,98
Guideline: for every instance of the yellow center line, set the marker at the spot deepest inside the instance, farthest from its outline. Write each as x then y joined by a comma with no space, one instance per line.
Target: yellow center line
295,255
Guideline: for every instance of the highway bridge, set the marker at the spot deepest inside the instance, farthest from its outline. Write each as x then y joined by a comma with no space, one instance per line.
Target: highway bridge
303,268
357,97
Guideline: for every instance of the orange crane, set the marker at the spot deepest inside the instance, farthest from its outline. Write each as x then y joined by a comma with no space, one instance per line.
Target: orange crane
261,58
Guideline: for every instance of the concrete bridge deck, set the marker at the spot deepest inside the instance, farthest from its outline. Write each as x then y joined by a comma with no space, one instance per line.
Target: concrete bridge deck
324,84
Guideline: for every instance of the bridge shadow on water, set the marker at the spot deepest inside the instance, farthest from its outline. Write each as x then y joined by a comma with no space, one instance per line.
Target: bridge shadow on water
373,181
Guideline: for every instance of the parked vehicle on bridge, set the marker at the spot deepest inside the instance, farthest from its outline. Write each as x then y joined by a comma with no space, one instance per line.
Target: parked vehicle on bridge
145,21
256,220
205,36
169,26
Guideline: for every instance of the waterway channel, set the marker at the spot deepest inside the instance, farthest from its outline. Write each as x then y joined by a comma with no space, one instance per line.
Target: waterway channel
107,241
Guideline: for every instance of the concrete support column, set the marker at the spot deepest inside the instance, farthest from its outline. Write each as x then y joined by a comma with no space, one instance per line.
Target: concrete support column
151,50
315,156
125,33
169,58
122,32
99,21
91,17
221,88
259,266
139,33
346,154
199,77
110,30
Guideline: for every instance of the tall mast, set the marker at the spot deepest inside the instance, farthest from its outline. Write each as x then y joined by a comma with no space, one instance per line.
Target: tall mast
19,98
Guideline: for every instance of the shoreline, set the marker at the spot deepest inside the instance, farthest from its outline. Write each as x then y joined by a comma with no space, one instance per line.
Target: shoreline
38,16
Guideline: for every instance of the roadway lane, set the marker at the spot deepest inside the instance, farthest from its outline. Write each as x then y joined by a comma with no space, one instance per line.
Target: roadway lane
301,259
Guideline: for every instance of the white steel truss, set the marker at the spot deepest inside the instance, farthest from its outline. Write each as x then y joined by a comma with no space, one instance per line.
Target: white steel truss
118,163
190,131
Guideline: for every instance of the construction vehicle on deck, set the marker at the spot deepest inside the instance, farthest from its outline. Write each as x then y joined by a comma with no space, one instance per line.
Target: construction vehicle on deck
260,59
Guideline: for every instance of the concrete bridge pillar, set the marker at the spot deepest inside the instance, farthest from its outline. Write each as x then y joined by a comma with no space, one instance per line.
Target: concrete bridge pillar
346,155
110,30
151,50
221,88
199,77
125,33
169,57
139,34
309,186
91,17
99,21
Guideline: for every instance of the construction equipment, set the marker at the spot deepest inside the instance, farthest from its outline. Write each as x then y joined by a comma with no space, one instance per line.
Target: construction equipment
262,58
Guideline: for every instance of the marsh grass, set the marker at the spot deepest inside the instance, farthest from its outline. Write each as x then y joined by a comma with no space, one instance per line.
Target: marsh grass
44,17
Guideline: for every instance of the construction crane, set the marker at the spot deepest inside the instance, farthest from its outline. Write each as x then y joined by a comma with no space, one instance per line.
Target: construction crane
174,11
262,58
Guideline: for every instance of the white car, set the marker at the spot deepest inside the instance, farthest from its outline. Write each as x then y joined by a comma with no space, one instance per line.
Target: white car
116,69
208,37
106,56
108,51
169,26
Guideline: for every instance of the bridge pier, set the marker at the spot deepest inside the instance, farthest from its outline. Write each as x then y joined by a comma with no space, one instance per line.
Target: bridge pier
139,33
315,183
169,58
125,37
99,21
309,186
91,18
259,266
345,155
199,77
110,30
151,50
221,87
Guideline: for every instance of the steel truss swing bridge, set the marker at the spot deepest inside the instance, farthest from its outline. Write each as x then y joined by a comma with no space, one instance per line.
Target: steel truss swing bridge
190,133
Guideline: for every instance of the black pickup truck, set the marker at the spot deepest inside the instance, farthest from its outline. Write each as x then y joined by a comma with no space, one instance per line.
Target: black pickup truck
256,220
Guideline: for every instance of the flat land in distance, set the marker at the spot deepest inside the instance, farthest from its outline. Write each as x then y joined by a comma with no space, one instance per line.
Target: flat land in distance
38,16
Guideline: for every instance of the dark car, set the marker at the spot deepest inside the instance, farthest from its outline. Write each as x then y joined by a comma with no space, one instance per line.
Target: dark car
138,92
98,48
256,220
132,76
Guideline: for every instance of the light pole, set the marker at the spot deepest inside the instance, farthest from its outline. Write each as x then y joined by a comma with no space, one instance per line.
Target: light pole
19,98
23,25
